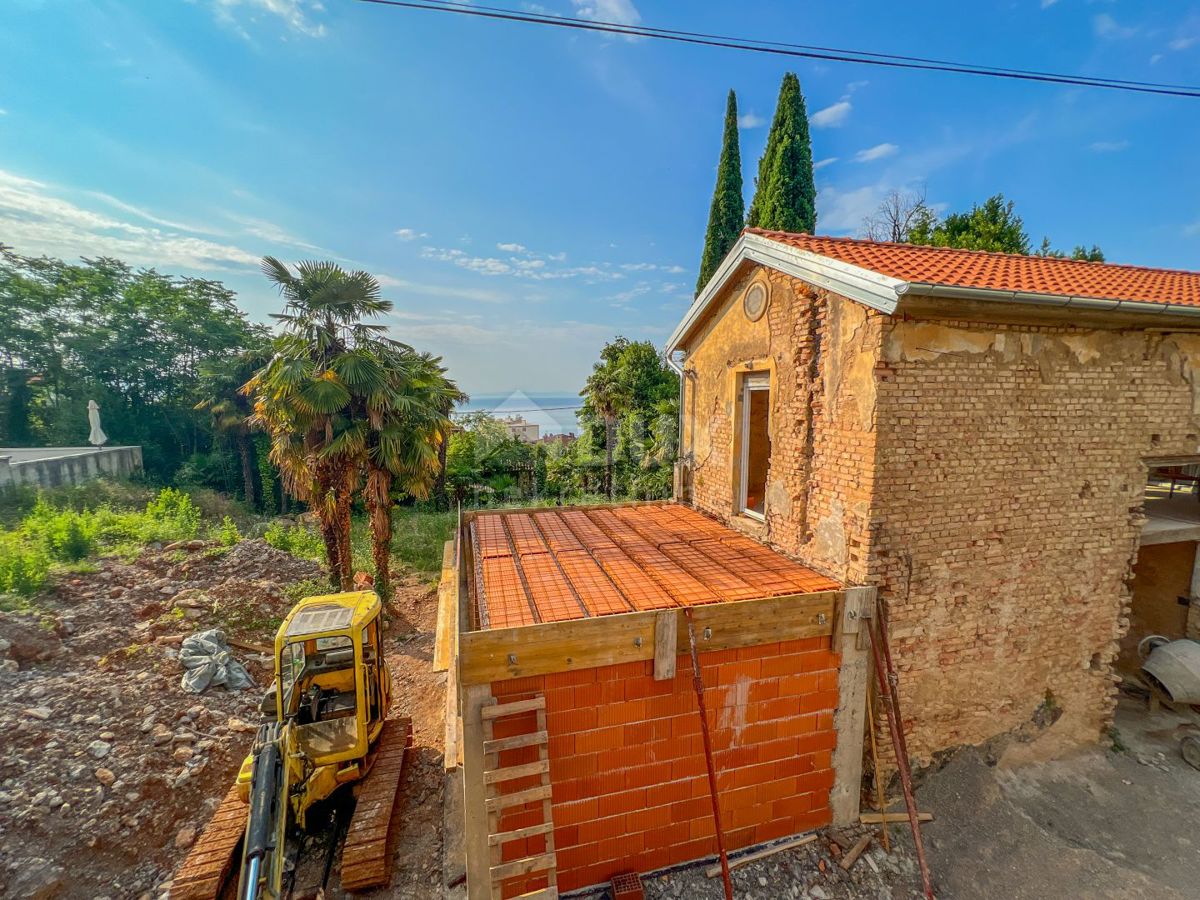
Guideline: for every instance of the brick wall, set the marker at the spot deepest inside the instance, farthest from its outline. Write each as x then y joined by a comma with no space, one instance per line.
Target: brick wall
630,789
1009,479
822,348
986,476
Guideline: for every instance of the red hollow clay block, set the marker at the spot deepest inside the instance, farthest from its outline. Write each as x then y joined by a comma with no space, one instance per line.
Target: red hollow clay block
598,740
591,694
560,746
736,838
819,740
578,765
769,831
572,678
668,792
621,802
769,790
818,782
703,826
644,776
685,810
789,807
570,721
646,819
568,835
668,836
574,813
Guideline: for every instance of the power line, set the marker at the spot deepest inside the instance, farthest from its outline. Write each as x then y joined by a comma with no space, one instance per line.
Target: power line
803,51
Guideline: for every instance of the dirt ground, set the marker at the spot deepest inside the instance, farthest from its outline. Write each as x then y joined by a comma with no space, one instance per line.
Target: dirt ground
108,769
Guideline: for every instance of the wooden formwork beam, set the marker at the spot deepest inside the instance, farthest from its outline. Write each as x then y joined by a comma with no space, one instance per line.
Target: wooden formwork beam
542,649
855,608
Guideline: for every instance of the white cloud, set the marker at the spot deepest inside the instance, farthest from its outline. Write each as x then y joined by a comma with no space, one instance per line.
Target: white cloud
147,216
1108,146
511,248
295,14
831,116
1105,26
35,217
1046,4
1183,43
618,12
1155,58
844,211
751,120
274,234
410,234
879,151
3,111
479,295
822,163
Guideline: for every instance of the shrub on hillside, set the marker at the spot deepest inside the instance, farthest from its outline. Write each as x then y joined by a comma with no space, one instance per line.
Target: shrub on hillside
23,565
295,539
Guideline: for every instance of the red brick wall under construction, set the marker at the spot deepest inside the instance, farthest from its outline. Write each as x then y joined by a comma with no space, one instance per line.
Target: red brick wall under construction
629,783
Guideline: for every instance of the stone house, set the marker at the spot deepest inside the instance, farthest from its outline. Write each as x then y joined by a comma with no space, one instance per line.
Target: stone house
972,433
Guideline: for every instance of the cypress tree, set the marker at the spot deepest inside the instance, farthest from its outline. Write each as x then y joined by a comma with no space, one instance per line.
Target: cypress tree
728,210
785,197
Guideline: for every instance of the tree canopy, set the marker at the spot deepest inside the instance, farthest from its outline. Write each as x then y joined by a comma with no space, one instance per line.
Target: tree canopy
785,195
134,340
728,210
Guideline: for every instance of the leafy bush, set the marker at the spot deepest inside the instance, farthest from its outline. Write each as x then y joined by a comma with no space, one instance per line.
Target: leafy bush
171,516
23,565
226,534
296,540
64,534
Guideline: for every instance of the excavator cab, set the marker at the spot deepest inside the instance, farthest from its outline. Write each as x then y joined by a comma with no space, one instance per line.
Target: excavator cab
330,681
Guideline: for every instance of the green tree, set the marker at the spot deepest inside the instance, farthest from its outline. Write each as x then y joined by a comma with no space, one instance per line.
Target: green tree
221,380
728,210
992,225
302,397
1085,254
133,340
628,394
785,195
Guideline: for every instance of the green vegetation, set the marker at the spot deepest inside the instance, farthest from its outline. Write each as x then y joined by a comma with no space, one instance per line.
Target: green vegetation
132,340
785,195
992,225
51,534
728,210
349,412
296,540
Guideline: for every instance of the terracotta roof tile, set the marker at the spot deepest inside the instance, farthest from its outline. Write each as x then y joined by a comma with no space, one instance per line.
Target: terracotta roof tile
1003,271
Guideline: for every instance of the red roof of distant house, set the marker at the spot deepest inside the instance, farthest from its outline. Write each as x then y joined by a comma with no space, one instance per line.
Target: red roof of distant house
1002,271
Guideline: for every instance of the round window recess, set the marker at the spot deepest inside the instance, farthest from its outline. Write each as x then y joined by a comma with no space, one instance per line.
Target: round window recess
754,303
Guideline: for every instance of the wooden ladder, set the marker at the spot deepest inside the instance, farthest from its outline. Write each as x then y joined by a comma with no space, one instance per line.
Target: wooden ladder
496,802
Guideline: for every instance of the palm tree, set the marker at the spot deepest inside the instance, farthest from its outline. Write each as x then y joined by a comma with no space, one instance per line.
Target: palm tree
340,401
301,397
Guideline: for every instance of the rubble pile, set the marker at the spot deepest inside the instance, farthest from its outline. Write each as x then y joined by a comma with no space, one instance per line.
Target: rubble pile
107,766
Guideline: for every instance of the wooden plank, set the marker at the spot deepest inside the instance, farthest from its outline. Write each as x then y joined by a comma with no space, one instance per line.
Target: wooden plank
475,829
849,719
470,515
515,742
447,615
501,654
666,649
874,818
517,833
715,870
518,867
499,710
511,773
519,798
546,893
855,852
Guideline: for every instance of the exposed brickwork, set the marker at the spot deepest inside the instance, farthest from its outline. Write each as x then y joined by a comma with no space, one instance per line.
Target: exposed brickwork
1002,464
821,347
627,764
1010,472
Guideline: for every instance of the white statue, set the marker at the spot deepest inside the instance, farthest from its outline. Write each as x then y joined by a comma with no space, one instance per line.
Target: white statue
97,437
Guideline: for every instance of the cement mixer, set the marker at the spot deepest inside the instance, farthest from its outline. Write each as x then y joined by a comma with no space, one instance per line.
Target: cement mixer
1173,667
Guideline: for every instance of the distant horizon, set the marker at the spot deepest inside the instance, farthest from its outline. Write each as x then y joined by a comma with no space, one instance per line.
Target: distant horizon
551,414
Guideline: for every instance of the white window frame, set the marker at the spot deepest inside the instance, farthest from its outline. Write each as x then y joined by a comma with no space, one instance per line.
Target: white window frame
751,381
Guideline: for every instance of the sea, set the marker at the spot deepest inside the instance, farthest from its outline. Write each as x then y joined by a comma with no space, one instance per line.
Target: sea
553,413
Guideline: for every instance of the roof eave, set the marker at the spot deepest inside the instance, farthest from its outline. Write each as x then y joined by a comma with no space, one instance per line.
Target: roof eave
1029,298
870,288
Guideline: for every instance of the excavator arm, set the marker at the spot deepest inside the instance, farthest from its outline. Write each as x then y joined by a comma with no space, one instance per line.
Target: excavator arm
261,876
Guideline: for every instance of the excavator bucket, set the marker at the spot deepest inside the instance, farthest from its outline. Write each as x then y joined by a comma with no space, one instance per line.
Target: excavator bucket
367,853
207,865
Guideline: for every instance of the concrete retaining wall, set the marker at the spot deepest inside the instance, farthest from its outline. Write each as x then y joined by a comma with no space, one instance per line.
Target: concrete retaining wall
52,466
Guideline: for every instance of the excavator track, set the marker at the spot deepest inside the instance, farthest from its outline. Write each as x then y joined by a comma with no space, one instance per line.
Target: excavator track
367,852
207,865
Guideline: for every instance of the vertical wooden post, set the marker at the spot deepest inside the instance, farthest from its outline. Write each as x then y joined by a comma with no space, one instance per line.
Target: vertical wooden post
666,631
857,606
475,825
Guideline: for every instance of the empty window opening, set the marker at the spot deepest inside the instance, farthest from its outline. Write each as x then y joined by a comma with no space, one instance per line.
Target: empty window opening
755,454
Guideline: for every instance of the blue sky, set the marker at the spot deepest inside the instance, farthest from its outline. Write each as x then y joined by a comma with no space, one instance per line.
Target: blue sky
526,193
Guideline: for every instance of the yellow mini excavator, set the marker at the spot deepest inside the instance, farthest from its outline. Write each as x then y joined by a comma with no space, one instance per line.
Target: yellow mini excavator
327,728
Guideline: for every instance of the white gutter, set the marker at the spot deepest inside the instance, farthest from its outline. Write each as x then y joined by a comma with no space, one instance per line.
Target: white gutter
880,292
